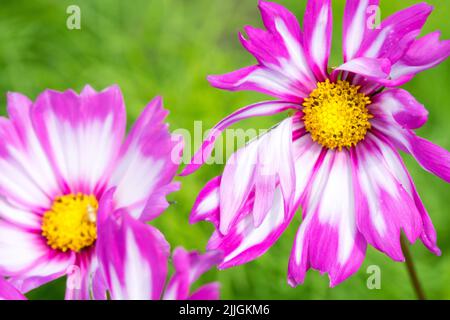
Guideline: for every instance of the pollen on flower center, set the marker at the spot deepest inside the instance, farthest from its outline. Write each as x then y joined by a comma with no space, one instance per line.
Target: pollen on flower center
336,114
70,224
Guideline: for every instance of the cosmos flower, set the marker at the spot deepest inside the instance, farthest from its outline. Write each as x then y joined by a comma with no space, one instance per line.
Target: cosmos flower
336,156
133,259
58,156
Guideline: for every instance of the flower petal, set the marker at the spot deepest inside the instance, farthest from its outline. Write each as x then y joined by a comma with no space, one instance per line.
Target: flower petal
26,258
81,135
424,53
9,292
207,204
255,110
318,25
245,242
357,14
328,239
210,291
385,207
283,69
147,163
395,34
259,166
399,106
133,258
189,266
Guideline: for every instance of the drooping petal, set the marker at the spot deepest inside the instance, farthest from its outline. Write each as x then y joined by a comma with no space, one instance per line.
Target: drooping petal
424,53
318,26
245,242
259,166
27,259
283,69
189,266
328,239
147,163
385,208
356,17
396,113
133,257
81,135
9,292
207,204
255,110
399,106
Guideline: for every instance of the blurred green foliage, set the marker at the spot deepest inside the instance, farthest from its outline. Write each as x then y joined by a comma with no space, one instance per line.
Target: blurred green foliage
167,47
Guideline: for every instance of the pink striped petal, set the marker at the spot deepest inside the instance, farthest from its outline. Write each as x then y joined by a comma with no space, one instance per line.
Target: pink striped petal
318,25
189,266
147,163
133,258
255,110
9,292
356,17
385,207
369,68
328,239
81,135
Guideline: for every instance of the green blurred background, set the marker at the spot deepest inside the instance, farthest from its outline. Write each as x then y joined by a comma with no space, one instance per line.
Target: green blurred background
167,47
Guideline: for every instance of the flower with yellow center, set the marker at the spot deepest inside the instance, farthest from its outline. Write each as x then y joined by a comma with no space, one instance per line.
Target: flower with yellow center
70,224
336,114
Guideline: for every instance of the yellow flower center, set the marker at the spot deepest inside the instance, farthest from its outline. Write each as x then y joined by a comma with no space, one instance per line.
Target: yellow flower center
71,222
336,114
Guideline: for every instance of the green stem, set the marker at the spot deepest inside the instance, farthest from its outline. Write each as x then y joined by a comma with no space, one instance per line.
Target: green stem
412,270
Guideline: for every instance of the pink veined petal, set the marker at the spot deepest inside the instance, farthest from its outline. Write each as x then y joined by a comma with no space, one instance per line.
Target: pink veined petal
79,283
328,239
260,165
385,208
210,291
26,258
81,135
399,106
147,163
356,17
255,110
318,26
395,34
9,292
133,258
424,53
189,266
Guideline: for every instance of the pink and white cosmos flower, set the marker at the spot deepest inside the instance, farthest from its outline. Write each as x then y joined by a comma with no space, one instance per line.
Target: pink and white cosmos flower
337,156
59,155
